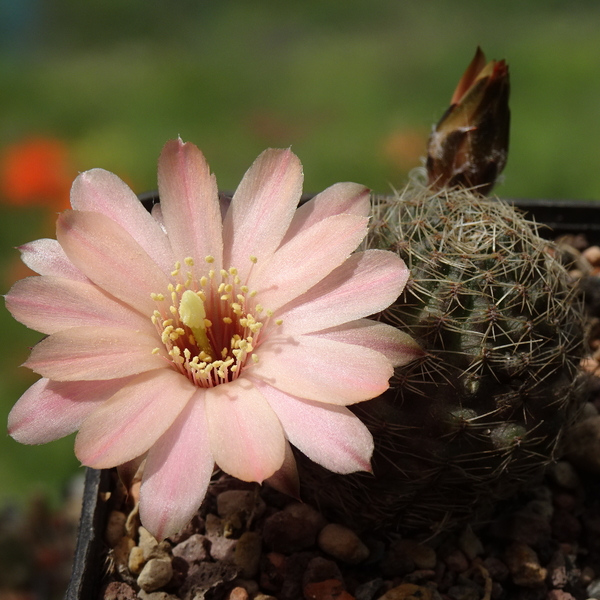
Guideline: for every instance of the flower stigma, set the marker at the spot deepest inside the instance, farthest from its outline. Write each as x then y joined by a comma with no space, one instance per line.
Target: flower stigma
209,326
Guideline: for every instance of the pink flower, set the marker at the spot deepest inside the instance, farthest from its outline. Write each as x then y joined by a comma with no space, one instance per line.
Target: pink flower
207,334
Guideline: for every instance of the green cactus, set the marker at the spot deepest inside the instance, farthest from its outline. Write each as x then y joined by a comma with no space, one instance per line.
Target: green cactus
483,411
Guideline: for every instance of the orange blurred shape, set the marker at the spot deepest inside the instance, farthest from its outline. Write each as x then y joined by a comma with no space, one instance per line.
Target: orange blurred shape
404,148
36,171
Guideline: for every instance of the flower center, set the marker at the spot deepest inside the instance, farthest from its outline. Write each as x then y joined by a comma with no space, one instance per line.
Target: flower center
210,326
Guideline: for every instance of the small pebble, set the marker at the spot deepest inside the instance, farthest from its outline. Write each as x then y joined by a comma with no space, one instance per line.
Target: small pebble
115,590
136,560
192,550
247,554
342,543
587,576
238,593
564,474
470,544
311,517
156,573
456,561
321,569
588,410
233,502
142,595
367,591
147,542
407,591
222,548
330,589
423,556
496,569
524,566
592,254
593,590
559,595
284,532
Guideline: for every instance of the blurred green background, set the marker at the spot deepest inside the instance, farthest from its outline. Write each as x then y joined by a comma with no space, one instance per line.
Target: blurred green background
352,86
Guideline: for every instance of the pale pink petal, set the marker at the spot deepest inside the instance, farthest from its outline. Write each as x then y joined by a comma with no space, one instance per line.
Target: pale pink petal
49,304
49,410
95,353
246,438
100,191
111,258
396,345
365,284
158,216
286,479
177,472
340,198
261,210
46,257
320,369
329,435
130,422
296,267
190,203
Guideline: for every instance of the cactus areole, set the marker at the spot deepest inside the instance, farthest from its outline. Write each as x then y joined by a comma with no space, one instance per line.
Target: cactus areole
483,411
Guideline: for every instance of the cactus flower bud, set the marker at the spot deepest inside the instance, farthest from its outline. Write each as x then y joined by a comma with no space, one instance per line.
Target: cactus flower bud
469,145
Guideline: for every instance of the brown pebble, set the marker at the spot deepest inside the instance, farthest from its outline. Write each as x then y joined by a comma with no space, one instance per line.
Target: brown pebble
272,571
407,591
592,254
590,365
496,569
247,554
457,561
136,560
421,555
559,595
524,565
330,589
342,543
284,532
117,590
238,593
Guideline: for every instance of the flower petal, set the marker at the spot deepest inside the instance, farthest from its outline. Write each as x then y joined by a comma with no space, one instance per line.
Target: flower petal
396,345
340,198
261,210
47,257
111,258
190,203
50,410
49,304
130,422
336,373
94,353
246,437
329,435
177,472
286,479
100,191
365,284
296,267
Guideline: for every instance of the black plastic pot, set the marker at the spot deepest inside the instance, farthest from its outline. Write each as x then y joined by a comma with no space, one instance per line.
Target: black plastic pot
560,216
